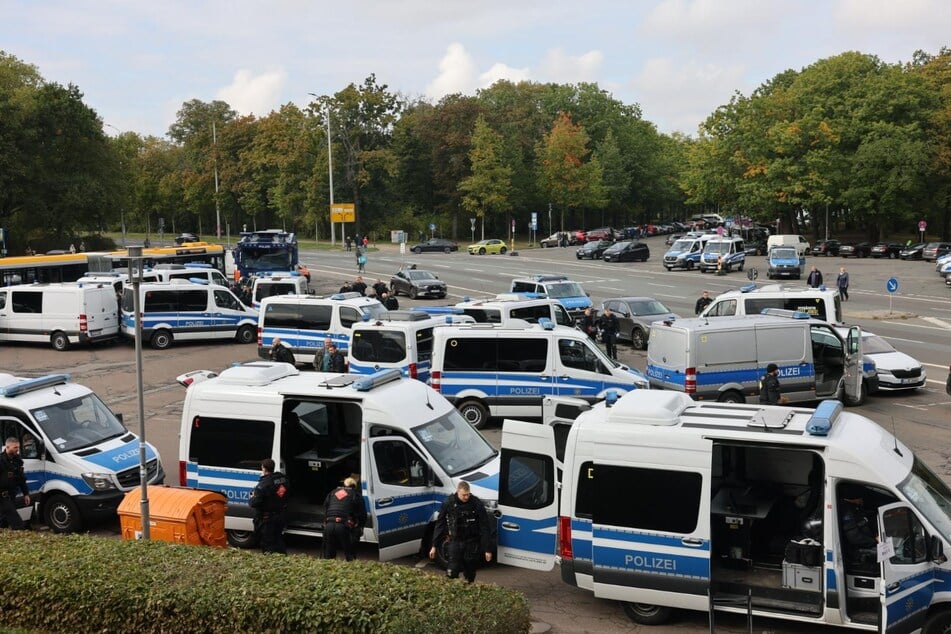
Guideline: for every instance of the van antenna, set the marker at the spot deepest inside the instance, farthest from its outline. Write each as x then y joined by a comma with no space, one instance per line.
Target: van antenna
428,404
895,436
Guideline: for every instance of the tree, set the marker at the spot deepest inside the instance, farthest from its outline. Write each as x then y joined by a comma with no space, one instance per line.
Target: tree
487,190
569,181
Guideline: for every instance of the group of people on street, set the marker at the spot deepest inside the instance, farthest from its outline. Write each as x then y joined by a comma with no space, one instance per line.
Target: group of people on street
360,241
606,324
841,281
328,358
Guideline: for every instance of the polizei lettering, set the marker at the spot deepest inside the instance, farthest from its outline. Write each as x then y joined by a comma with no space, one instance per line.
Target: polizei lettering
530,391
651,563
125,455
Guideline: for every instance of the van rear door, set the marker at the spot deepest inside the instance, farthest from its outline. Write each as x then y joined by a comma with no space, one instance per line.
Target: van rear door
528,499
853,367
908,573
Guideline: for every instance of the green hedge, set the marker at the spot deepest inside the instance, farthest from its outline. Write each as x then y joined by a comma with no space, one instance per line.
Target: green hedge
78,583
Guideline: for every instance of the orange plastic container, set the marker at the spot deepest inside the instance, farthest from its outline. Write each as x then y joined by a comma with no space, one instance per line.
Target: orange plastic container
182,516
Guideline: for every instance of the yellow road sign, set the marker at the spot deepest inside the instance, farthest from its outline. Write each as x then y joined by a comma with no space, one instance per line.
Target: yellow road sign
342,212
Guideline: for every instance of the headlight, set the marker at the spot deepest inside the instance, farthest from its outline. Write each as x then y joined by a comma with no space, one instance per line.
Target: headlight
99,481
884,371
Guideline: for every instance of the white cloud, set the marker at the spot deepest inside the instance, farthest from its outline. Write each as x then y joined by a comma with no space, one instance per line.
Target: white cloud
559,67
457,73
694,16
886,14
254,94
502,71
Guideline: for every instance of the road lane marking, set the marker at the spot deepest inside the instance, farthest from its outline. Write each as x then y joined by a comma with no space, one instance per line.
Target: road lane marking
662,285
900,339
673,296
937,322
900,323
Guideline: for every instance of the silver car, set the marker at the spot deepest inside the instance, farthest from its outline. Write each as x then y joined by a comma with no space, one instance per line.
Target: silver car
635,316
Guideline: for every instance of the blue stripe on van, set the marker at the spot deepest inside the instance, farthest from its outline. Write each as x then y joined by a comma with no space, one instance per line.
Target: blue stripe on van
534,535
304,341
406,511
521,384
749,376
915,602
645,539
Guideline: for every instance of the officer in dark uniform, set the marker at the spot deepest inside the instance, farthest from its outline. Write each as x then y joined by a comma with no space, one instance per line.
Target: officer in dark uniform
588,324
465,524
280,352
769,393
389,301
344,520
859,529
12,482
609,328
269,501
380,287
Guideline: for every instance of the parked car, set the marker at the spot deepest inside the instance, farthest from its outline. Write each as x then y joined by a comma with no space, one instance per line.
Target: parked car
912,252
186,237
889,250
941,263
896,370
672,237
635,316
630,251
857,250
593,250
553,240
826,247
435,244
417,283
578,236
491,245
630,233
602,233
933,249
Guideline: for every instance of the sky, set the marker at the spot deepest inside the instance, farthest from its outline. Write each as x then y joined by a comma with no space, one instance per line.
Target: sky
138,62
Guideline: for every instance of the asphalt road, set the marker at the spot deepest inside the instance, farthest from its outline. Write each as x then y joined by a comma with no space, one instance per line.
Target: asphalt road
919,325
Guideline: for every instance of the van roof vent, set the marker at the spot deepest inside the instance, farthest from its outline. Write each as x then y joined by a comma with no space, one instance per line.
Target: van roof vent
650,407
257,373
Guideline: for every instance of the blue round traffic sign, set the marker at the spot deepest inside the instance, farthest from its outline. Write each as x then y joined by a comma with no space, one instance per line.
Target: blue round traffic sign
892,285
432,227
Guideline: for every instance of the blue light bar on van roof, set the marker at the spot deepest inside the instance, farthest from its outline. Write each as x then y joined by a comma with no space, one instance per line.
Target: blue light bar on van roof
339,296
31,385
822,419
546,323
376,379
748,288
439,310
784,312
198,280
198,265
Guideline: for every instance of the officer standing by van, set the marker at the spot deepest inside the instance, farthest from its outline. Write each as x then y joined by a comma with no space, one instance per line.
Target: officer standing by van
12,482
702,303
465,524
610,326
269,501
769,393
281,353
344,520
587,324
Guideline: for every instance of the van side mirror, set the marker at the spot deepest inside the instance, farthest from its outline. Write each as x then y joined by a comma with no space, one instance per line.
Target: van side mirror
119,418
936,549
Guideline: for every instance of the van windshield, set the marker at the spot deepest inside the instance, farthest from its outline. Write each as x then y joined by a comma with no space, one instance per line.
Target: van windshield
930,495
682,245
454,444
78,423
565,289
269,290
717,247
375,311
783,253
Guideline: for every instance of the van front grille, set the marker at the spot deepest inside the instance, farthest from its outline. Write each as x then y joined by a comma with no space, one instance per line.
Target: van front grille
130,477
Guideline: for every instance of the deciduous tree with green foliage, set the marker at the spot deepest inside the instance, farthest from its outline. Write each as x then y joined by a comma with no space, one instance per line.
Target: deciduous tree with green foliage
486,192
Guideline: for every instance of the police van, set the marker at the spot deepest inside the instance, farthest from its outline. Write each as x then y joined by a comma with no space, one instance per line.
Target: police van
685,252
568,293
726,253
405,443
302,322
783,261
60,314
402,340
506,306
270,284
822,303
185,311
190,271
814,516
506,370
78,457
724,359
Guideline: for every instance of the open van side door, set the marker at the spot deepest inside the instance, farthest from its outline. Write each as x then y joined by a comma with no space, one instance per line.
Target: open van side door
559,413
528,499
853,367
908,570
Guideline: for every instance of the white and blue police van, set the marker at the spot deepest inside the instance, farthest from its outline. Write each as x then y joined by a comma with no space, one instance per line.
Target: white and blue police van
506,306
269,284
78,457
401,340
406,444
721,253
812,516
505,370
724,359
183,310
685,252
302,322
784,261
821,303
189,271
569,294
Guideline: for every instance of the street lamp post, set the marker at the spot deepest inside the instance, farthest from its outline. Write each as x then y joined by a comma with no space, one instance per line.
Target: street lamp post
214,141
330,173
135,262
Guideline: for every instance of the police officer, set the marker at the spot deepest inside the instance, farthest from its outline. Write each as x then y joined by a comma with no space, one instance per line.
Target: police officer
702,303
380,287
389,301
609,328
858,528
344,520
269,501
769,393
587,324
464,523
12,482
280,352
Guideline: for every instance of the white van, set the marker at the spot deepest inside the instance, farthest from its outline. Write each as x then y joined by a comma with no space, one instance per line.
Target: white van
277,284
401,340
303,321
724,359
506,306
728,251
184,311
407,445
78,458
190,271
506,370
685,252
789,240
813,516
822,303
61,314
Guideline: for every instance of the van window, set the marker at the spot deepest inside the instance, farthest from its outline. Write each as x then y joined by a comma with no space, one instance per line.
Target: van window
476,353
27,302
3,300
726,308
234,444
524,287
269,290
526,478
575,354
523,355
398,463
531,314
454,444
311,316
667,501
224,299
77,423
382,346
348,316
484,315
487,355
175,301
562,318
424,344
281,316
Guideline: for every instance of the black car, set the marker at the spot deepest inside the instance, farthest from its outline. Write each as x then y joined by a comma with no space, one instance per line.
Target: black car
857,250
632,251
593,250
755,247
890,250
417,283
436,244
826,247
186,237
912,252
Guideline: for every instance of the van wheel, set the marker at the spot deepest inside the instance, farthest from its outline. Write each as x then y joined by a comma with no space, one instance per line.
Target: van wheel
638,340
246,334
475,413
61,514
502,251
242,539
59,341
940,623
731,396
646,613
161,339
